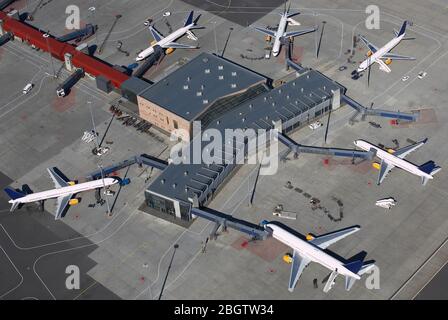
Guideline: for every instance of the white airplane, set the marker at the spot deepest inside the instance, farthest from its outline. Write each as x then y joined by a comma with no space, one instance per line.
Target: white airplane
395,158
169,41
281,30
64,191
377,55
313,249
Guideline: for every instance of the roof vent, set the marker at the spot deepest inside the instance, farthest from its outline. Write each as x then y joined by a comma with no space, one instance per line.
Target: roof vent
162,181
174,185
325,87
186,189
233,85
185,173
273,103
265,98
220,77
202,87
198,94
233,73
205,101
220,67
205,60
188,78
287,96
279,90
250,106
307,76
301,89
185,86
243,119
267,117
294,84
218,122
207,71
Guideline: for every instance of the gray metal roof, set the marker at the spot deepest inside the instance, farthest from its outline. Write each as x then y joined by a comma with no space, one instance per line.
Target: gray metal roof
135,85
284,102
192,88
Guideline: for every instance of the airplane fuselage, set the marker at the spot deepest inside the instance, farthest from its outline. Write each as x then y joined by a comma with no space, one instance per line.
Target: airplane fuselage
279,34
394,160
168,39
64,191
379,54
310,251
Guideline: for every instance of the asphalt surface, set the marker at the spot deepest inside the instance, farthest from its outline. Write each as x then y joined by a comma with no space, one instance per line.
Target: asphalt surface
437,288
34,256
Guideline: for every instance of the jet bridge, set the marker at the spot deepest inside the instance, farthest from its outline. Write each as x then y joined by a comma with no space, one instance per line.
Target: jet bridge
227,221
337,152
150,61
5,3
5,38
378,112
140,159
80,34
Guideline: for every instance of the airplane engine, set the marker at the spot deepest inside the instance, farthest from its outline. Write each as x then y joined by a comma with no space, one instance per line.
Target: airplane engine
73,202
388,61
376,165
369,53
169,51
287,258
309,237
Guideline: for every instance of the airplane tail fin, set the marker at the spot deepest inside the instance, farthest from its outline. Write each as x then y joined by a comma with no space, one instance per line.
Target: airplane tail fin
402,29
430,168
358,267
14,194
189,19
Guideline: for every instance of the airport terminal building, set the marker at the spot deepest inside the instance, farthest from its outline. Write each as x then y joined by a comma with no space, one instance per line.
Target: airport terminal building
244,101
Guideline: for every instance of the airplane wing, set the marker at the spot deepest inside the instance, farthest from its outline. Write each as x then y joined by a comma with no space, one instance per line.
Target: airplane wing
384,170
156,35
298,265
403,152
62,204
369,45
265,31
394,56
57,177
299,33
325,240
178,46
383,66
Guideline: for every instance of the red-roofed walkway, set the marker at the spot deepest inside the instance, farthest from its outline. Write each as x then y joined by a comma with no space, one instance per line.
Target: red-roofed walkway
91,65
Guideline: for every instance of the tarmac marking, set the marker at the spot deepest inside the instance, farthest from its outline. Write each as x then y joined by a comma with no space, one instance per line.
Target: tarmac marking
418,269
85,290
434,275
17,270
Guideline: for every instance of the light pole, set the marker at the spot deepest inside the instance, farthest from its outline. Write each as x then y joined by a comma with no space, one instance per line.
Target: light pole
46,36
100,166
92,11
168,271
